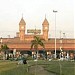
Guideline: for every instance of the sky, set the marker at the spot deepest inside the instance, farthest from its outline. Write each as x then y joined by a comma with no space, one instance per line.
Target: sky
34,12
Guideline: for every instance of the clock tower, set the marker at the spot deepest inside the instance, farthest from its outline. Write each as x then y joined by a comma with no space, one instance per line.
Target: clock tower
45,29
22,26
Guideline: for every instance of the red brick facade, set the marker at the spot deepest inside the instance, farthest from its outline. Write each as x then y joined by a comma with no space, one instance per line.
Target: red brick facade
23,41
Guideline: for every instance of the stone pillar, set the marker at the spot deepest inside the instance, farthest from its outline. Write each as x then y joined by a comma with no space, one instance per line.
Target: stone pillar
67,55
14,52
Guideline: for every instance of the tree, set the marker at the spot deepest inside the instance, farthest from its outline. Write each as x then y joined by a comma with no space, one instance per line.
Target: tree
36,42
4,48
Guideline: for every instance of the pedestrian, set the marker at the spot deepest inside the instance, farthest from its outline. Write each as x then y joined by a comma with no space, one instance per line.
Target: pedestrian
24,61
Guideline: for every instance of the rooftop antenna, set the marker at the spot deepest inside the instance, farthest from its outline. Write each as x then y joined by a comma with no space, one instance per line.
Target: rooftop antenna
35,30
35,27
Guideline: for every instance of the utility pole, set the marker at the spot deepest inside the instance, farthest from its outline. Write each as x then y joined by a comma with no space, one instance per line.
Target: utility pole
55,32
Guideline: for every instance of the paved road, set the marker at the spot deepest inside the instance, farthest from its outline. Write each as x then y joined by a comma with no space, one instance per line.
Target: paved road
39,70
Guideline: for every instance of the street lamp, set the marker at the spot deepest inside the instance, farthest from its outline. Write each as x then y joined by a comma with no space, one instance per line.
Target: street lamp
55,31
64,36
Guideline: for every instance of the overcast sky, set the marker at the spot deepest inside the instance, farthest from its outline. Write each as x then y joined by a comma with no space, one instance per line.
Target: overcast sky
34,14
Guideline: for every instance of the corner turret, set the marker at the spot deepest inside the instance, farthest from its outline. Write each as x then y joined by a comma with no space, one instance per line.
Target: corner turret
22,26
45,25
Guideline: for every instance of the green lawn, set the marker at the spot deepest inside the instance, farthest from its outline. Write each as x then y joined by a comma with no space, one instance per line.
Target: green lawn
61,68
41,67
12,68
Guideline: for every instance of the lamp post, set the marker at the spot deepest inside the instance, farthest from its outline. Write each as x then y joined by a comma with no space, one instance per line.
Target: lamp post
64,36
55,31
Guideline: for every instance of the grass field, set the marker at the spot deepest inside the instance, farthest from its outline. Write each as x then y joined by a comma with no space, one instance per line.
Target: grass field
11,68
40,67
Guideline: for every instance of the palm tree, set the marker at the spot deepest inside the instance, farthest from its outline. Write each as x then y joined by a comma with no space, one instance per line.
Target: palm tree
36,42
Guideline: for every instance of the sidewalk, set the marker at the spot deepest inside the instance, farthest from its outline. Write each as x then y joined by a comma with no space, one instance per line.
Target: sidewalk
39,70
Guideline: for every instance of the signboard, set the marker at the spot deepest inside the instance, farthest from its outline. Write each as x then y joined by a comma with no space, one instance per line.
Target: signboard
34,31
